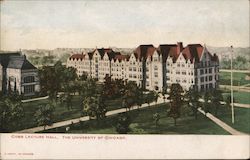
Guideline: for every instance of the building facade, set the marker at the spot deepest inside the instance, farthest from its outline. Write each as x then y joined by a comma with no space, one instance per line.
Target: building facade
153,68
18,75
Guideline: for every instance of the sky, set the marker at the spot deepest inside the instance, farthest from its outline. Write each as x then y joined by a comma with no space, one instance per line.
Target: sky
37,24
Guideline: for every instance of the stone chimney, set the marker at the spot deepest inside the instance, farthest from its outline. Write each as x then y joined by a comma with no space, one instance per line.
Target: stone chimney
179,47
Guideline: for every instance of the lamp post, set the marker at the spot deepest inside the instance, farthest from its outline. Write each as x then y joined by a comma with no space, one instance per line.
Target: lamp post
232,95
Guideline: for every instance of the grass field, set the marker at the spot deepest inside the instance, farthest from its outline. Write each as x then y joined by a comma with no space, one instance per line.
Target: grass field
61,112
143,123
242,118
238,78
240,97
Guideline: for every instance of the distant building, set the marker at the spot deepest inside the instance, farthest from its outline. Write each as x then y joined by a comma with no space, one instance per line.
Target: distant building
153,68
18,74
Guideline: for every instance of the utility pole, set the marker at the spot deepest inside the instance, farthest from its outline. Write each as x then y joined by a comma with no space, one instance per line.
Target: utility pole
232,95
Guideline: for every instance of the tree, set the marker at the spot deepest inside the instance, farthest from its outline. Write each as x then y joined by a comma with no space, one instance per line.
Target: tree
176,101
193,97
206,104
164,93
122,124
56,78
10,112
155,96
156,118
113,88
45,115
228,101
94,107
216,97
66,98
83,77
50,83
139,98
150,97
130,94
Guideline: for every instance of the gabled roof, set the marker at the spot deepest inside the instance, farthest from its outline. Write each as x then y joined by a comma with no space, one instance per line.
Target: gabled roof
77,56
143,52
121,57
5,58
91,54
168,50
20,62
193,51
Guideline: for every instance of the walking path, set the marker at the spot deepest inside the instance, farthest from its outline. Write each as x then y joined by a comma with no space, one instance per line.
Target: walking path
85,118
241,71
113,112
34,99
222,124
238,104
237,88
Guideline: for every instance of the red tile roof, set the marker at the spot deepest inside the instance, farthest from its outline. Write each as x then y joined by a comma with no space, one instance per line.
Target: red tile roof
190,52
144,51
168,50
121,57
77,56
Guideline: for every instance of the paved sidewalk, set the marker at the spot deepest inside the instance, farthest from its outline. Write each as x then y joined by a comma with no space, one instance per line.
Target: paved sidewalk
222,124
241,71
236,88
34,99
85,118
113,112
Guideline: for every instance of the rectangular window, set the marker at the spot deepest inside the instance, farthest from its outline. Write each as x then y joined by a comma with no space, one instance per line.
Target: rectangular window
29,79
201,72
156,74
202,87
29,89
202,79
210,70
210,85
155,68
210,78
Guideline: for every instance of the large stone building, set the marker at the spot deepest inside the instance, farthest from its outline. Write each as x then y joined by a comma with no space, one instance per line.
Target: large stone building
153,68
18,74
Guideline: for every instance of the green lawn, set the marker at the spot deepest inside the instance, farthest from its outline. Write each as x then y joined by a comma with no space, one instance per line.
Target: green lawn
61,111
242,118
240,97
143,123
238,78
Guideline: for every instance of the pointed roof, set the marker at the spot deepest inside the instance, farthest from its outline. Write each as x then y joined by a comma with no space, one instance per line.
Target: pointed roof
168,50
77,56
20,62
121,57
5,58
145,51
